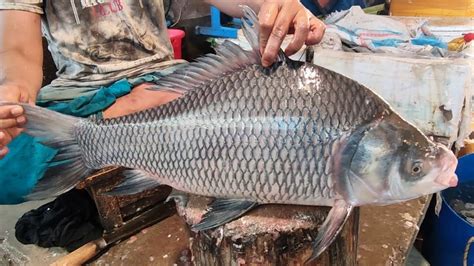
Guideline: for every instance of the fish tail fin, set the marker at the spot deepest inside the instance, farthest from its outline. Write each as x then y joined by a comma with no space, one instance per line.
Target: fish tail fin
57,131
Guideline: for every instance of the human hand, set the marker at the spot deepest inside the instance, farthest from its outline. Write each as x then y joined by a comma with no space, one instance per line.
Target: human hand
280,17
11,116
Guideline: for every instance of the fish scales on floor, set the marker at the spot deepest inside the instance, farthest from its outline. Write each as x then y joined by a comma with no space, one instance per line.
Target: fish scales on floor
293,133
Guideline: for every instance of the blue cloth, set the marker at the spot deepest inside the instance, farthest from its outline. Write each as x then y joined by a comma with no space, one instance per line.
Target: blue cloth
387,42
28,159
429,40
334,5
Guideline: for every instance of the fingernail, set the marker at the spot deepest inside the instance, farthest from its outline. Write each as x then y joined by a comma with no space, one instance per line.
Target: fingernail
21,120
3,151
267,63
2,135
17,111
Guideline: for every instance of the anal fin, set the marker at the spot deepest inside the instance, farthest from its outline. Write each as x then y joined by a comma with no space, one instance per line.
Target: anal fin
331,227
135,181
222,211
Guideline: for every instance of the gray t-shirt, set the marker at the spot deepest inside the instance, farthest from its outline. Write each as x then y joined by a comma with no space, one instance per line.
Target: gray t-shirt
95,42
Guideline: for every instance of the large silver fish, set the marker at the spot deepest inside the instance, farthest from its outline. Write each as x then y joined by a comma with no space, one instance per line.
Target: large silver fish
293,133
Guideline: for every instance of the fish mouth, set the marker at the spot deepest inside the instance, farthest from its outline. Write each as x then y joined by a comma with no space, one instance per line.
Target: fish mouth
447,177
451,181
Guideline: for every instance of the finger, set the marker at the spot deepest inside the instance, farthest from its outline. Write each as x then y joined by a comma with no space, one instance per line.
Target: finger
316,31
301,27
3,152
10,111
12,122
14,132
8,123
20,121
5,138
279,31
266,17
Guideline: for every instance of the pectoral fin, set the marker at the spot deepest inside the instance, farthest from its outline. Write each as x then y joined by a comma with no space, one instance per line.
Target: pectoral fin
331,227
222,211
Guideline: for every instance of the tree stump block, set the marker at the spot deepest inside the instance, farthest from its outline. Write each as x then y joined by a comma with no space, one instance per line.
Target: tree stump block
269,235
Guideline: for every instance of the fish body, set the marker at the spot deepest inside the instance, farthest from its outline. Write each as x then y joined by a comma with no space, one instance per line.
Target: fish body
294,133
266,135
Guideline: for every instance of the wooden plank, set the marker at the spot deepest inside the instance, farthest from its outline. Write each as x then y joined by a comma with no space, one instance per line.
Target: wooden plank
453,8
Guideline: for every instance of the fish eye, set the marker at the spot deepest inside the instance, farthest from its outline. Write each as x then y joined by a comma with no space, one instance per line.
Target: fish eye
416,168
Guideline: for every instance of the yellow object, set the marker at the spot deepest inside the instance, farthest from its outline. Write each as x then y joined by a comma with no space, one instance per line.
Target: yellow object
468,144
432,8
457,44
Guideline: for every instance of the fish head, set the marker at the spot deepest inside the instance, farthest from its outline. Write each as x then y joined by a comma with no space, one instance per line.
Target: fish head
394,161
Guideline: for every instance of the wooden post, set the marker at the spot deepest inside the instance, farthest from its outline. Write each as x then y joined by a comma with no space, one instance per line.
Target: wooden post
269,235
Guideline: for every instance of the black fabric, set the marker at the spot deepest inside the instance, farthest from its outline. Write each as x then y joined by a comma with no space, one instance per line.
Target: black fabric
70,221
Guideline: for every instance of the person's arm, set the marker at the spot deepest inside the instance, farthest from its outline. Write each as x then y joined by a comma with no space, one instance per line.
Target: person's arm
277,18
21,72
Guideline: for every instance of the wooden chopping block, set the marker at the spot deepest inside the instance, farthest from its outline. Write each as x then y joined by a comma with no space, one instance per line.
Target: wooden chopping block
269,235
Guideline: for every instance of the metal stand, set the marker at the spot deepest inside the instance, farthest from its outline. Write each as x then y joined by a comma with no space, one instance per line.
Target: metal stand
217,29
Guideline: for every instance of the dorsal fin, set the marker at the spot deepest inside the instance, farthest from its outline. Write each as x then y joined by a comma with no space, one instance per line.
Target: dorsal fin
251,28
229,58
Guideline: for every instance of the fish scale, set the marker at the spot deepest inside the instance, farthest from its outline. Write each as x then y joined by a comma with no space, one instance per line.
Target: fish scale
190,146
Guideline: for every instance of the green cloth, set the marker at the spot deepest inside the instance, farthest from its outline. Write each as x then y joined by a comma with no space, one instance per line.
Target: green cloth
85,106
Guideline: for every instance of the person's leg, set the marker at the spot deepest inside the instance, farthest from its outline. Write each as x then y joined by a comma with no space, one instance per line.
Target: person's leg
140,98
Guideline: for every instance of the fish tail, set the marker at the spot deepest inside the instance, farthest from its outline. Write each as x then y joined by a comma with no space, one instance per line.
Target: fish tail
57,131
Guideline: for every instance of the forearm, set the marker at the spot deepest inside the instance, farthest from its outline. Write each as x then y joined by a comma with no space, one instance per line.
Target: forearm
19,70
231,7
21,52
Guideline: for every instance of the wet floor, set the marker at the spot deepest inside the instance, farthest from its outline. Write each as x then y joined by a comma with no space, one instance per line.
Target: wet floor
163,244
13,252
167,243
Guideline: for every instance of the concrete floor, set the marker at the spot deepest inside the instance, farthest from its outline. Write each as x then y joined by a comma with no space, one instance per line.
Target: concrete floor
163,244
166,243
13,252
